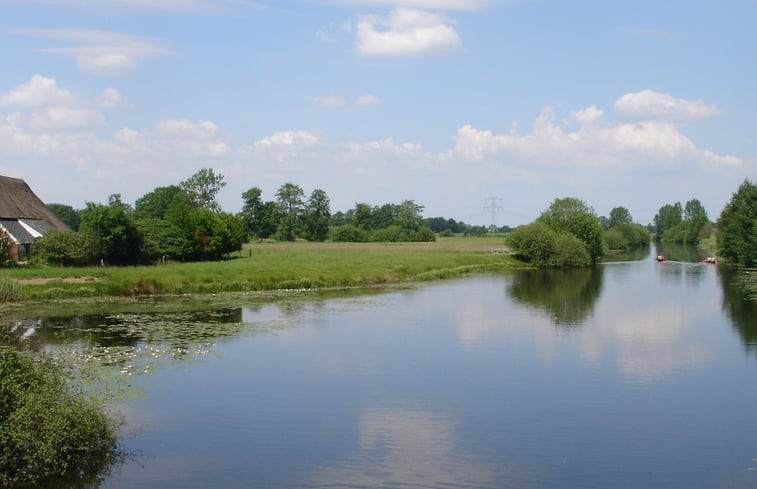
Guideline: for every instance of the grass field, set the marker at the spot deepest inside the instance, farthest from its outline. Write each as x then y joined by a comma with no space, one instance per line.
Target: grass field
272,266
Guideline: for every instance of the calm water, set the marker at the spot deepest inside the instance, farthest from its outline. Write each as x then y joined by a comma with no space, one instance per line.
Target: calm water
634,374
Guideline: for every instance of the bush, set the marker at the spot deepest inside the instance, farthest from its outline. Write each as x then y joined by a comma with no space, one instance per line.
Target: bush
58,247
615,240
543,247
45,430
398,234
624,236
348,233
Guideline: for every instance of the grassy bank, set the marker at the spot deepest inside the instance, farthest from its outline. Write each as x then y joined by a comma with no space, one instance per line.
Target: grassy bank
271,266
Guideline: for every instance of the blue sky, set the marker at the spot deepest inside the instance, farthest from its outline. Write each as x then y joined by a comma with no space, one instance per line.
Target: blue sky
446,102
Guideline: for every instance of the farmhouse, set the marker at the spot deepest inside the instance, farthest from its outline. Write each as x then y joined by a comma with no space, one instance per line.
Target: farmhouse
23,216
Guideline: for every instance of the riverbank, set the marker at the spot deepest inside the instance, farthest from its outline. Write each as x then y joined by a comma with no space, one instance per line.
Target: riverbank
272,266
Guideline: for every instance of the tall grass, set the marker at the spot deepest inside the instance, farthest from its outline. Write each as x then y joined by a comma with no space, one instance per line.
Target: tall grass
10,291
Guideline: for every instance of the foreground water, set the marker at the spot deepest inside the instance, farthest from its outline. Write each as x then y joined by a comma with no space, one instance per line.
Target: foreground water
633,374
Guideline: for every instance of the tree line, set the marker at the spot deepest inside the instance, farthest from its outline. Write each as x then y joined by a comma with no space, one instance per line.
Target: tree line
185,222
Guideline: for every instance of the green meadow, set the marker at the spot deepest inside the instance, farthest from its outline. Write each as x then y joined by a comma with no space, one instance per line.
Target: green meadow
268,266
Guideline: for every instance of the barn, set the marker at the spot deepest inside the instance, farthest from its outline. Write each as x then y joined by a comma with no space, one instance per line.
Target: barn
23,216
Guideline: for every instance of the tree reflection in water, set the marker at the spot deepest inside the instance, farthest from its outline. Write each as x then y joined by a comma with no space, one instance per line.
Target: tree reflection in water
740,303
567,295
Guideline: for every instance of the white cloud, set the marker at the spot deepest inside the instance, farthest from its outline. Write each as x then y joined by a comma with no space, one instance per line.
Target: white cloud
596,143
110,98
64,118
407,32
649,104
427,4
185,129
38,92
167,5
102,52
286,139
368,100
330,101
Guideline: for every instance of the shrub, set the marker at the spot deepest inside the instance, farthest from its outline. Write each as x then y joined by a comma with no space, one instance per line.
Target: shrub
45,430
615,239
543,247
348,233
59,247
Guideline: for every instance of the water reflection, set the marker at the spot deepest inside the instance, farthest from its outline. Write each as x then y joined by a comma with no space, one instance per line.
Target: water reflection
567,295
638,253
738,305
407,446
680,252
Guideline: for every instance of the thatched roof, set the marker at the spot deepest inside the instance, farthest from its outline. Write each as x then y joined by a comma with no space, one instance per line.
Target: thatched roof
17,201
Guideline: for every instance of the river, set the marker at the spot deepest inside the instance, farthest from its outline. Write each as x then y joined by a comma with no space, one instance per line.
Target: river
631,374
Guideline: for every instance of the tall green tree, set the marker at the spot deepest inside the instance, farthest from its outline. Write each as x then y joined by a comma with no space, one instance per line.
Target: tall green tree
317,215
668,216
409,215
737,226
290,198
363,216
67,214
203,187
618,216
574,216
115,228
252,210
693,209
157,203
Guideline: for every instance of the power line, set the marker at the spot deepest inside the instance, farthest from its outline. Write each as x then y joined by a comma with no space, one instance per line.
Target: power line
493,208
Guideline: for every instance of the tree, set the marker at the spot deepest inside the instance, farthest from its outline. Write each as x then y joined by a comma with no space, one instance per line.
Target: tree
409,216
561,212
363,216
619,215
164,239
573,216
384,216
252,212
737,226
114,227
290,199
317,215
157,204
67,214
203,187
693,209
668,216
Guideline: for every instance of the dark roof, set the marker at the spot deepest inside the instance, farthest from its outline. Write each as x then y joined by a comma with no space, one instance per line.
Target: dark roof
17,201
15,229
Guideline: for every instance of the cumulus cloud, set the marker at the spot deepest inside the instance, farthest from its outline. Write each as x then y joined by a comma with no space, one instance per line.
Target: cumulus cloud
649,104
110,98
102,52
427,4
38,92
168,5
596,143
406,32
368,100
330,101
